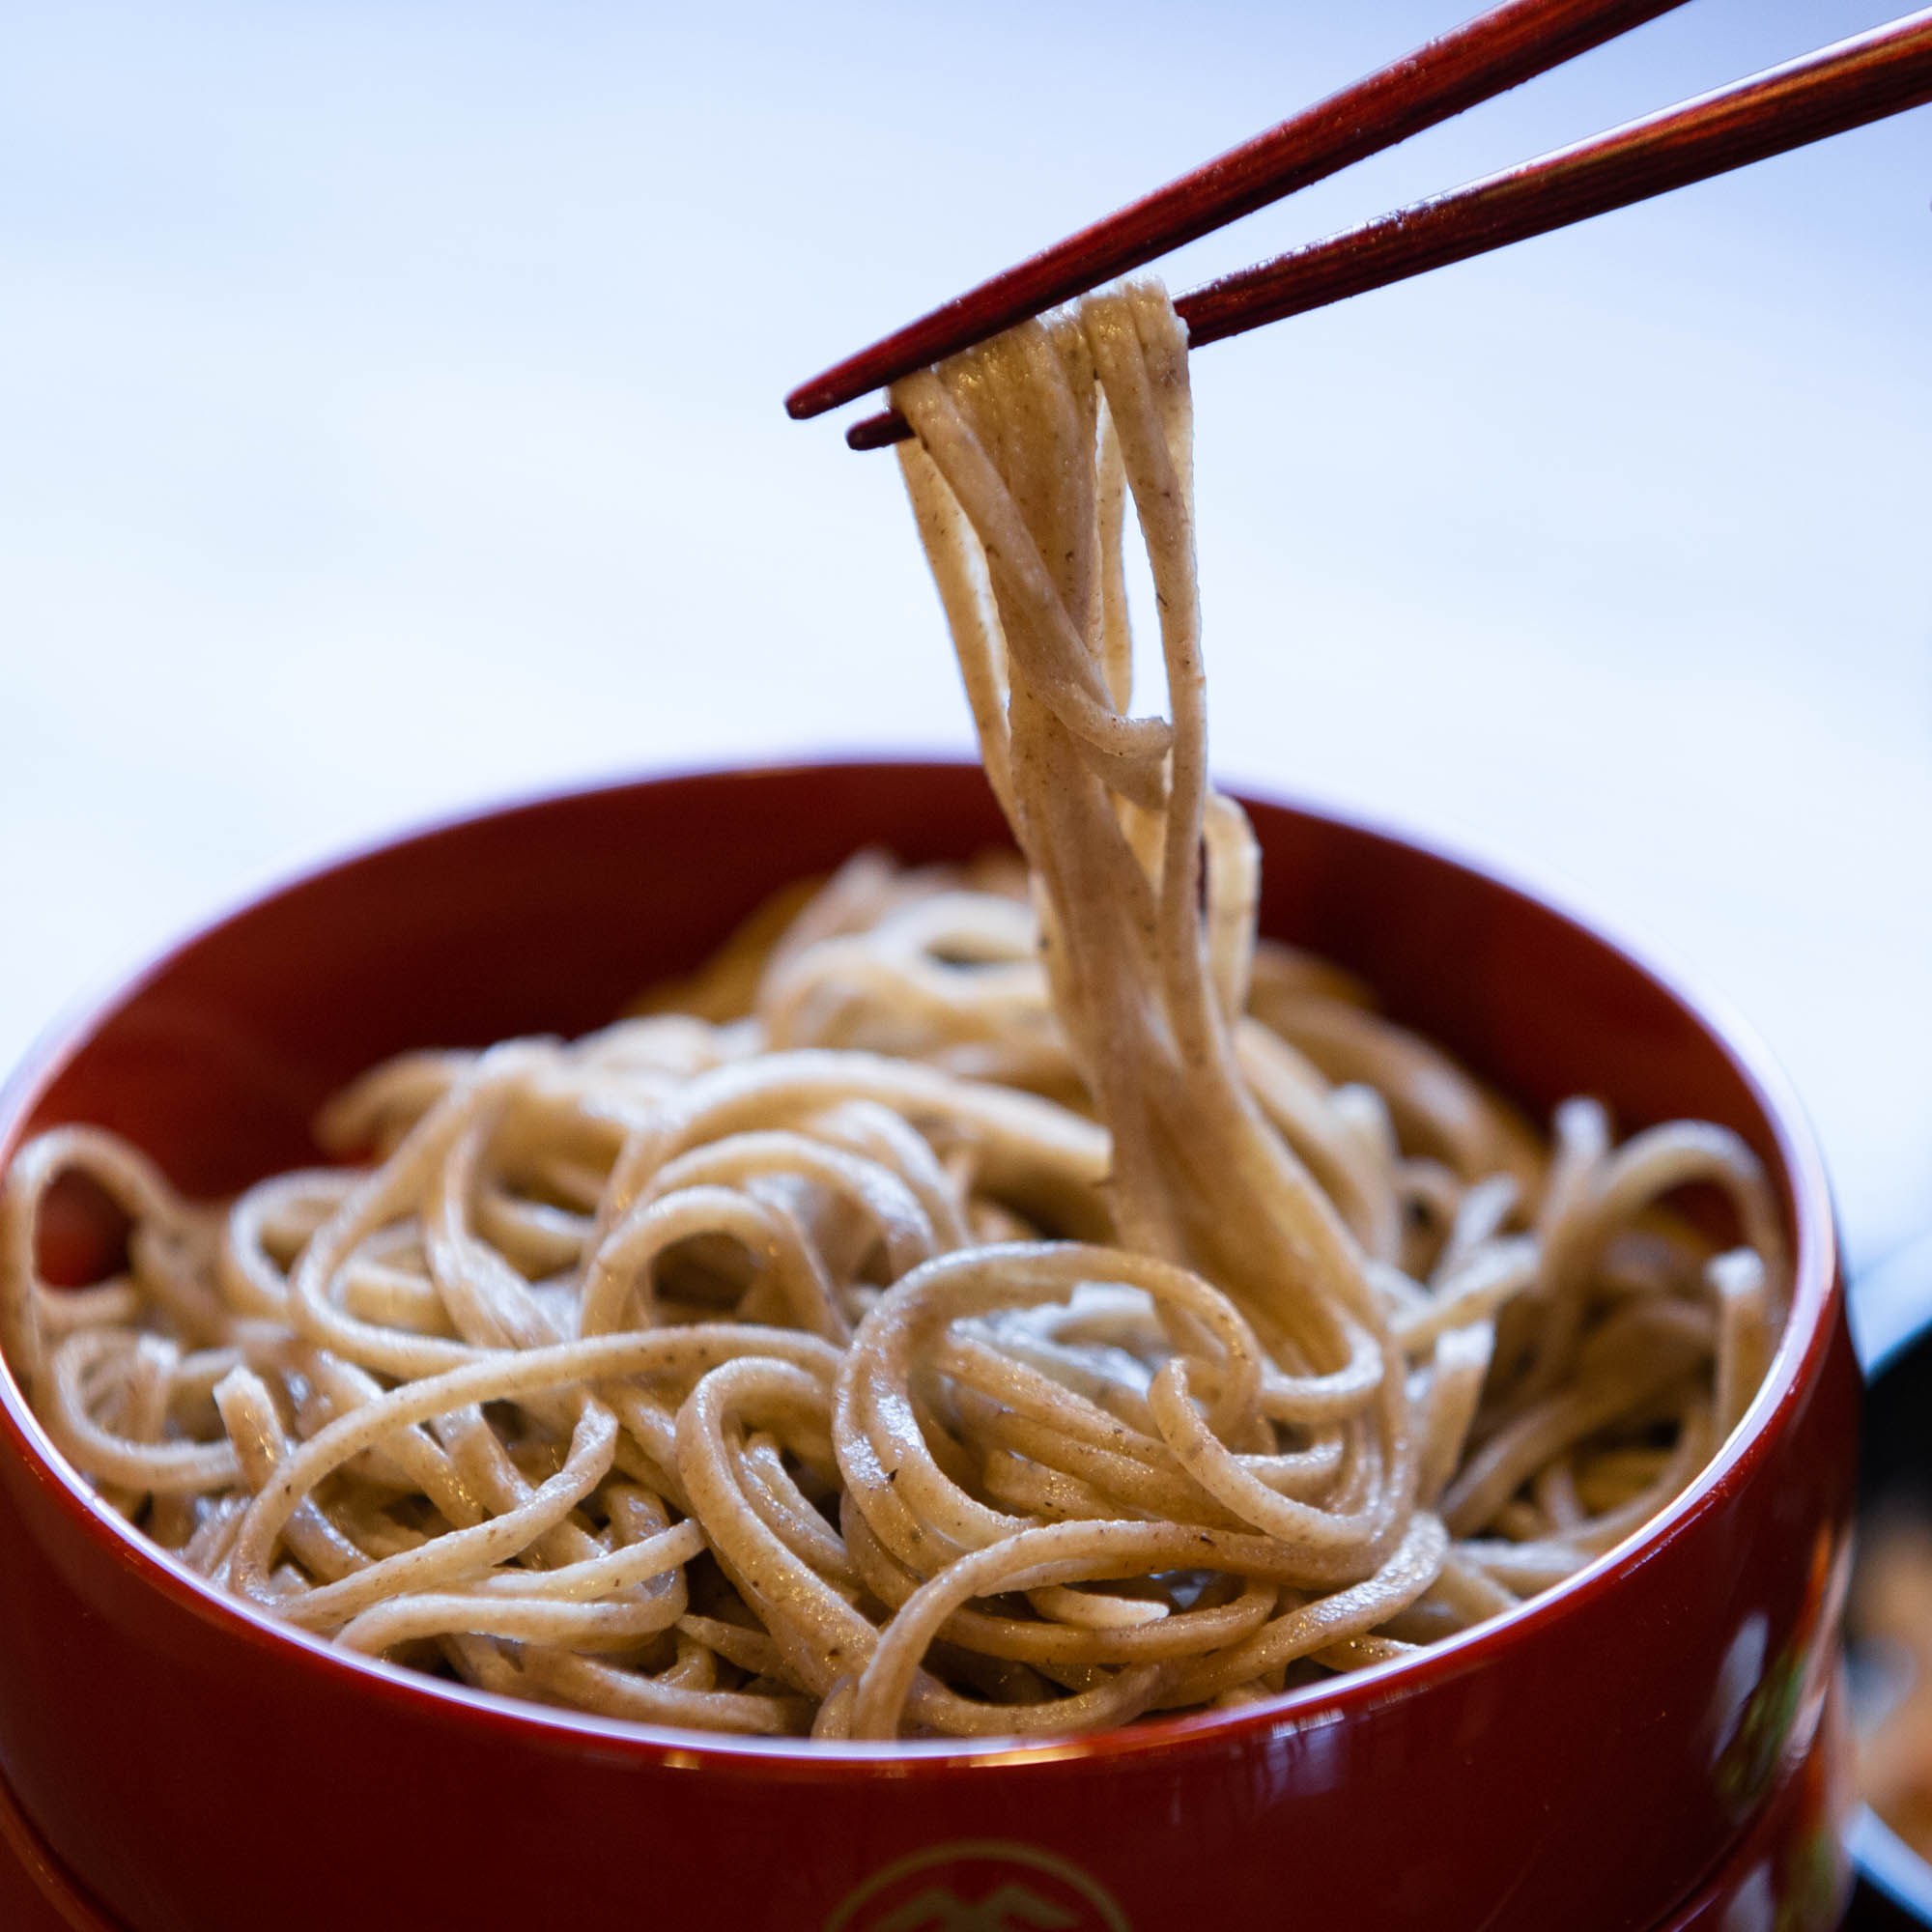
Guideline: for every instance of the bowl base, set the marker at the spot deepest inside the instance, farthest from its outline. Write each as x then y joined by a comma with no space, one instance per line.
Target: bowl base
38,1893
1791,1871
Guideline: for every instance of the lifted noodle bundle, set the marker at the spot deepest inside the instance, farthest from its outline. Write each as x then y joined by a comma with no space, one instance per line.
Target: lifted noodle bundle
977,1303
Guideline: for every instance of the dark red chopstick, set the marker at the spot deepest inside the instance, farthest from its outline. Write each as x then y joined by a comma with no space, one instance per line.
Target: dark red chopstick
1865,78
1484,57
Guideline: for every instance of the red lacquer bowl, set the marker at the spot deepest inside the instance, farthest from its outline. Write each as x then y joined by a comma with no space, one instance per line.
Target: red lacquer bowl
1603,1758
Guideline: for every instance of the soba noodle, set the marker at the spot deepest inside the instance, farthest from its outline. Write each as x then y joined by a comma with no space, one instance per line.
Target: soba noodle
981,1301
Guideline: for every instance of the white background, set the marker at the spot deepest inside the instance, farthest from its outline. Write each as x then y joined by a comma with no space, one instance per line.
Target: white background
389,419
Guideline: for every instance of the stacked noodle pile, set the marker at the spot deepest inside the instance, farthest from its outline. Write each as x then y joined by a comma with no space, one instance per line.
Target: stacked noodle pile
954,1312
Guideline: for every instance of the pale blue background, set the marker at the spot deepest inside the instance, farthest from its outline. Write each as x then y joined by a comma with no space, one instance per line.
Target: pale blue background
389,419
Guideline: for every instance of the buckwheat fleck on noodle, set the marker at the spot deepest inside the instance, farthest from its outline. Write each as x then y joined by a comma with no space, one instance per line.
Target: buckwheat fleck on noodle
984,1300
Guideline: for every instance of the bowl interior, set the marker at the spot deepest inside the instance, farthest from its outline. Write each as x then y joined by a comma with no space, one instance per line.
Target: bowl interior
546,917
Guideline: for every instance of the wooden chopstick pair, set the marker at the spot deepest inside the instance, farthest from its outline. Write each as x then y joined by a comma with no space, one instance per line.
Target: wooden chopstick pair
1864,79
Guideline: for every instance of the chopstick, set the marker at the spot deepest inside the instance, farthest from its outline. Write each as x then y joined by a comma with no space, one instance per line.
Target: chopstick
1484,57
1840,87
1873,74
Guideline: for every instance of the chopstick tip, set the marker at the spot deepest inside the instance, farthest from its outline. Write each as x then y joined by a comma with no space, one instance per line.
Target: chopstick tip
879,432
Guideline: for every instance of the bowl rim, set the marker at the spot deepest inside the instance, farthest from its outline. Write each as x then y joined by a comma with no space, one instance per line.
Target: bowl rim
1817,1296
